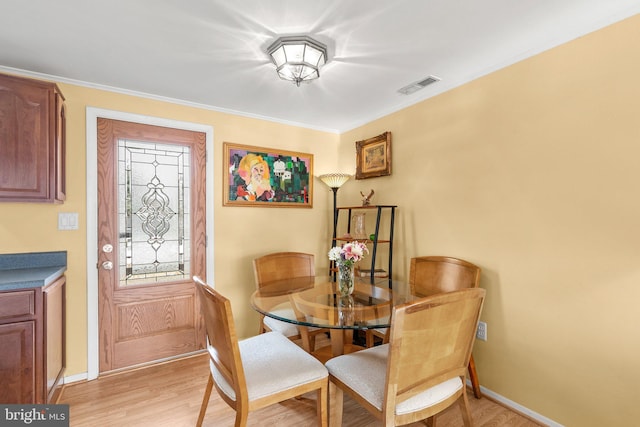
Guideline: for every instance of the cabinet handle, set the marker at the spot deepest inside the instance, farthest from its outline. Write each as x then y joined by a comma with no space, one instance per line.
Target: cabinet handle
107,265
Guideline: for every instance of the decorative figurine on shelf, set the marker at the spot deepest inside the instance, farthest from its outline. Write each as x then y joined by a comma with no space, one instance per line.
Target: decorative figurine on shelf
366,200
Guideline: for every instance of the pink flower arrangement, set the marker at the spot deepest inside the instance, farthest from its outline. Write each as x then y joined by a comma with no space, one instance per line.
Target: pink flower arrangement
349,253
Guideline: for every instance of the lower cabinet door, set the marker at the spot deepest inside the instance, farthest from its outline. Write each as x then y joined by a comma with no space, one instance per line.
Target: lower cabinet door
17,362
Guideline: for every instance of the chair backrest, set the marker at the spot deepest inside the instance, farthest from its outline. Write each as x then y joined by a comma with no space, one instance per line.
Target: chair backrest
223,346
429,275
283,265
430,342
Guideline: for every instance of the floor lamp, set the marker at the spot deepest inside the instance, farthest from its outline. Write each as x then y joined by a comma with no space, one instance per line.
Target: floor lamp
334,181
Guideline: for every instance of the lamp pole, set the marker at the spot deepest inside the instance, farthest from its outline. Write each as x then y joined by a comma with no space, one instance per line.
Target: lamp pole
335,213
334,181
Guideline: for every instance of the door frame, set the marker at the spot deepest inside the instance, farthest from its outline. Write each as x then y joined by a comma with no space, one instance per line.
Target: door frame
92,114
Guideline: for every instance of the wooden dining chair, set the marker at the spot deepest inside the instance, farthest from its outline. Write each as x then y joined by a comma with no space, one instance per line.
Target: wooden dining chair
281,266
258,371
429,275
421,370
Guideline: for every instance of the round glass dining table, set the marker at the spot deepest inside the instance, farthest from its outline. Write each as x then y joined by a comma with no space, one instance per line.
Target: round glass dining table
314,302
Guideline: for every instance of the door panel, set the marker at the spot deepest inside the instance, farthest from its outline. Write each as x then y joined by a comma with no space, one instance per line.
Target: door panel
151,241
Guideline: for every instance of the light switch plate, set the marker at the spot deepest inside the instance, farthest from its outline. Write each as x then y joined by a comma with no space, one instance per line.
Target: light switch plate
67,220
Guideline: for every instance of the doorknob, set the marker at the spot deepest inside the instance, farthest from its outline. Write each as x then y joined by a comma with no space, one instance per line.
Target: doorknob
107,265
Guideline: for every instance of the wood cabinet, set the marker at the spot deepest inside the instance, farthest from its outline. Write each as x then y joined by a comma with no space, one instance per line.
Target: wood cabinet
32,337
54,356
32,141
17,368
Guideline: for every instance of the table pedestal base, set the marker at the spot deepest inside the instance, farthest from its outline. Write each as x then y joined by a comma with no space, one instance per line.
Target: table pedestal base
338,339
323,354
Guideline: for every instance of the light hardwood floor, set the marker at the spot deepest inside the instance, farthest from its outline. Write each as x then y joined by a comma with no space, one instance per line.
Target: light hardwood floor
170,394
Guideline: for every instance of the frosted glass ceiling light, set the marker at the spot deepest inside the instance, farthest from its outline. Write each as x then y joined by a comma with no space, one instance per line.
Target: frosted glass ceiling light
298,58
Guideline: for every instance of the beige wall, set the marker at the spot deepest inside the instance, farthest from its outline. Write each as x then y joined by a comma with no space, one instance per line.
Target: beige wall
533,173
240,234
530,172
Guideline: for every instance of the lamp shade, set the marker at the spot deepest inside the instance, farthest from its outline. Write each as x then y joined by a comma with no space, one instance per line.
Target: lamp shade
334,180
298,58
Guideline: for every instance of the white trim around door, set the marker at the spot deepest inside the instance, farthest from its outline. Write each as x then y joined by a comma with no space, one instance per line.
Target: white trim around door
92,212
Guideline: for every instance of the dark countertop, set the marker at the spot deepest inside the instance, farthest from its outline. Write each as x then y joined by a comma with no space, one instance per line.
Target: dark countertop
31,270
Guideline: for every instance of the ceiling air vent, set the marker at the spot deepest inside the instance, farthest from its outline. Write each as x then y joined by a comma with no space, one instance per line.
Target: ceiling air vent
414,87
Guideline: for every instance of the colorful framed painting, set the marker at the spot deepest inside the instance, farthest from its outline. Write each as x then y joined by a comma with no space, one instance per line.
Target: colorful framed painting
267,177
373,156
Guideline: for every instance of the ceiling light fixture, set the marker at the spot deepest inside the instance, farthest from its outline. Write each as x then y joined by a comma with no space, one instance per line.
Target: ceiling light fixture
298,58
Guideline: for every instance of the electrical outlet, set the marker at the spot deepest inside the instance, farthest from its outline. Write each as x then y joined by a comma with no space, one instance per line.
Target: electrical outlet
481,333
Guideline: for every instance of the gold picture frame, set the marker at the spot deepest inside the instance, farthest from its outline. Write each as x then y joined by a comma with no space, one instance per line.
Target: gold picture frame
266,177
373,156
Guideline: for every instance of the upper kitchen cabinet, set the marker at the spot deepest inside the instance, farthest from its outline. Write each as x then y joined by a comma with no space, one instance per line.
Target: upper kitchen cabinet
32,141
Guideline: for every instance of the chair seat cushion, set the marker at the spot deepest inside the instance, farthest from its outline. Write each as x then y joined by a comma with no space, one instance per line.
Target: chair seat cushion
272,363
285,328
365,373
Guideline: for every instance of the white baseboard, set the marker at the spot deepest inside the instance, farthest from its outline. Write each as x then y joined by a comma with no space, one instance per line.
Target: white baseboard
75,378
518,407
84,376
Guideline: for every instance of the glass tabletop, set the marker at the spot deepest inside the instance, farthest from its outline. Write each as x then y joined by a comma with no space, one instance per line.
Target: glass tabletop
313,301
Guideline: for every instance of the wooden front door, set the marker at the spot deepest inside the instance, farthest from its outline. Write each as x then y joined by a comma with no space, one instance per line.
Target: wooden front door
151,241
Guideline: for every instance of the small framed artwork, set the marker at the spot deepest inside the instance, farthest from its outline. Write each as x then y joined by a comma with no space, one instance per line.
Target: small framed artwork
373,156
267,177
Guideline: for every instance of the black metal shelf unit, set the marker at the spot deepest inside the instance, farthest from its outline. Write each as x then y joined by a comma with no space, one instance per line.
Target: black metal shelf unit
374,252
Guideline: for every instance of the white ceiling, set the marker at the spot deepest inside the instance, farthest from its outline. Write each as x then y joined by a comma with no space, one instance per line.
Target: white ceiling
211,53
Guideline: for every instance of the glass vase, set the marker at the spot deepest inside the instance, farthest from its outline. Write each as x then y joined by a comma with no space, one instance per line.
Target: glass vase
359,231
346,278
345,310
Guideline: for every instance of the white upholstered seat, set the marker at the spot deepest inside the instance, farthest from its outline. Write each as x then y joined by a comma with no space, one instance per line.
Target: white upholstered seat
287,329
271,363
